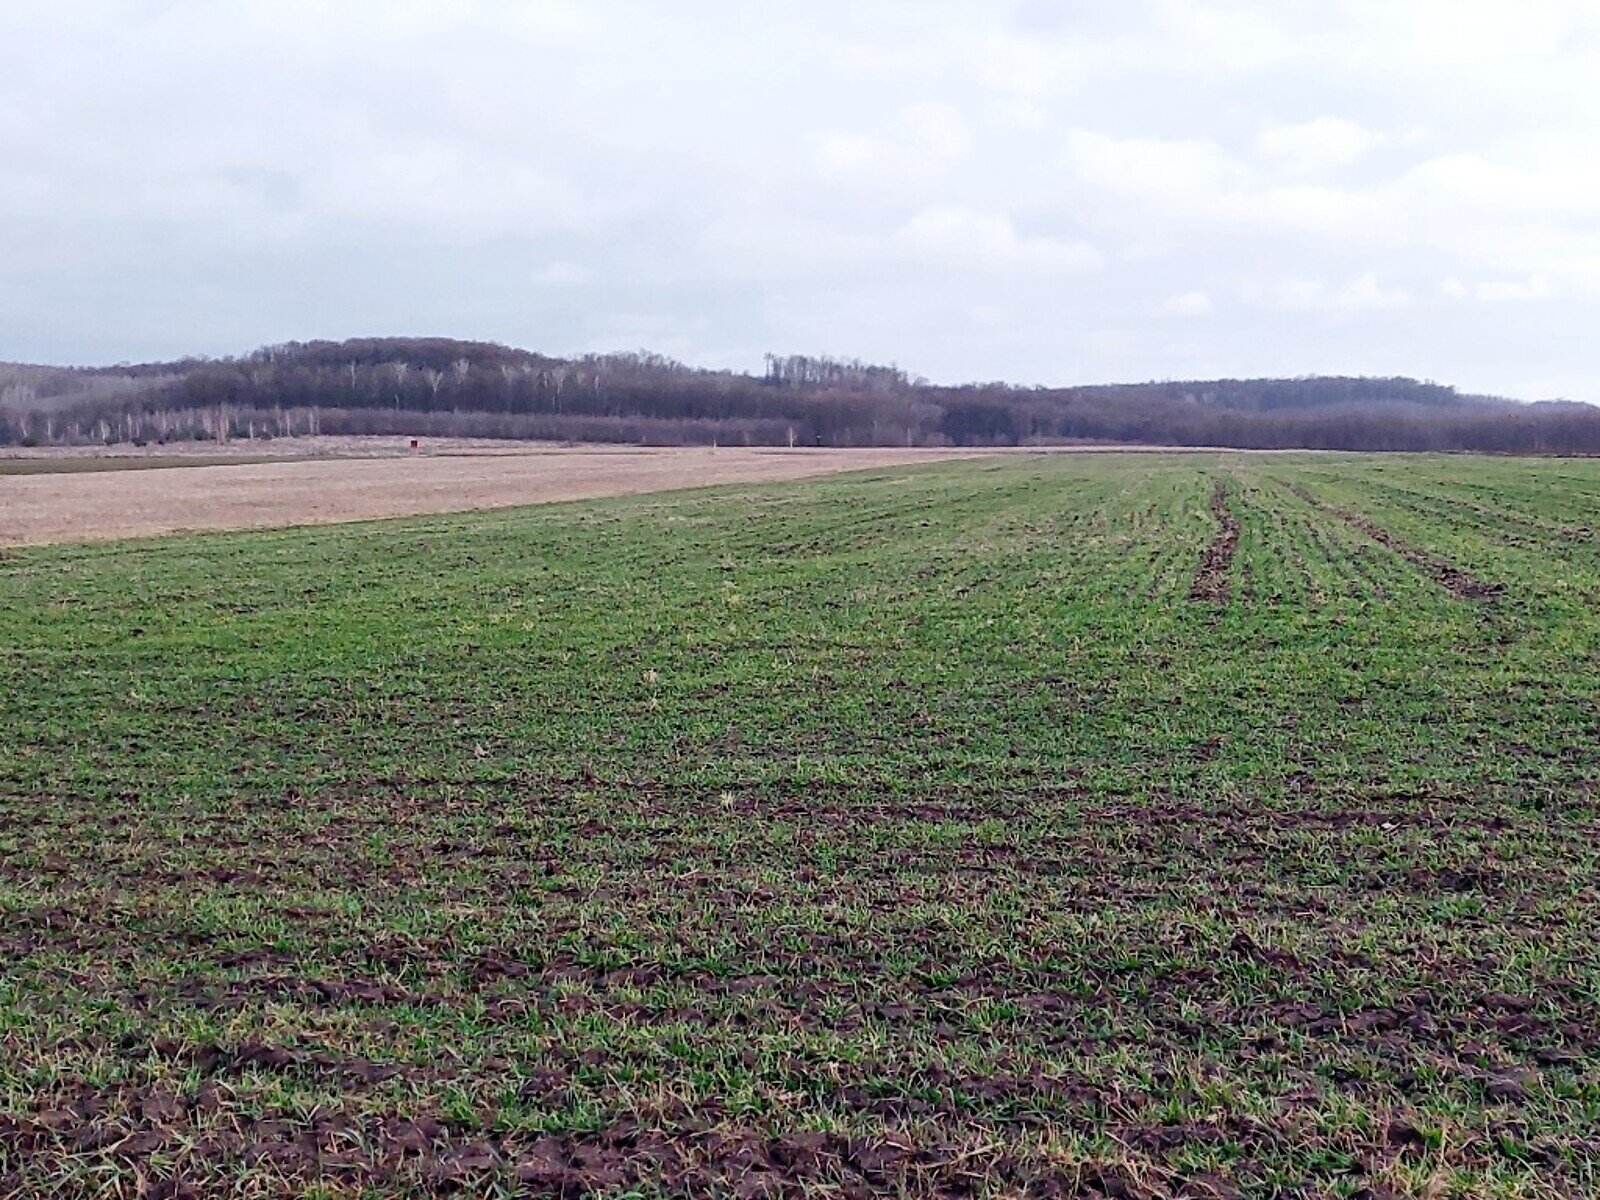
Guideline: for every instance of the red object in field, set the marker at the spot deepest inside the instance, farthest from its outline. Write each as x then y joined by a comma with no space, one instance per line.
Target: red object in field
413,443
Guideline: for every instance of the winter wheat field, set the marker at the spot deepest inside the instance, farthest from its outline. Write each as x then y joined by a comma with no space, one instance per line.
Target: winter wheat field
1140,826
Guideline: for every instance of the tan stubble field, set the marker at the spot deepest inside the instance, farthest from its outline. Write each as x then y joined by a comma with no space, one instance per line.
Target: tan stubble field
79,505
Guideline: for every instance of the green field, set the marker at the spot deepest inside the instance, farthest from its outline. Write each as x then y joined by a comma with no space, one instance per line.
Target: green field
1125,826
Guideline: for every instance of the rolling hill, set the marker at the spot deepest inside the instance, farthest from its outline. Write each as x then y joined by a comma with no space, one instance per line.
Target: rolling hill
442,386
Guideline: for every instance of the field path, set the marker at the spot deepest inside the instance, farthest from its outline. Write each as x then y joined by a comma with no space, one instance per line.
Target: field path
80,506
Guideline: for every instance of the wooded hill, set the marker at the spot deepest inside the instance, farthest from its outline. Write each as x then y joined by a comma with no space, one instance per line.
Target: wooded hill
443,387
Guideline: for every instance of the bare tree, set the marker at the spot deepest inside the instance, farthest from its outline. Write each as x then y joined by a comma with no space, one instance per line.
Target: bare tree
433,379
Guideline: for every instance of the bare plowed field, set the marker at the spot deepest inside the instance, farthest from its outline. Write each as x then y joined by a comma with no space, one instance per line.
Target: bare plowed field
91,505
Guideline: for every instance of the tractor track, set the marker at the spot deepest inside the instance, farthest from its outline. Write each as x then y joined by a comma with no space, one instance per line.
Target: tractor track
1211,581
1456,580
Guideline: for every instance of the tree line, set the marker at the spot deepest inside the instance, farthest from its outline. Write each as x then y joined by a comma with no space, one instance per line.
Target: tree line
442,387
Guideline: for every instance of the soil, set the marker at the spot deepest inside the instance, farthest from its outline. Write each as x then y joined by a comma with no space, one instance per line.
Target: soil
80,506
1211,583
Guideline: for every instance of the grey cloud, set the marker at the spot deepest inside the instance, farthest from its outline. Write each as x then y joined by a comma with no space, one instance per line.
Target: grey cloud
1041,191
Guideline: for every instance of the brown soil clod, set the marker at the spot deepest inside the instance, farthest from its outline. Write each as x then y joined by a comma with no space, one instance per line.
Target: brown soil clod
1211,581
1458,582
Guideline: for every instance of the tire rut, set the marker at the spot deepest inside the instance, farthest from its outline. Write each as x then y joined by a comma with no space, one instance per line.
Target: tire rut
1211,581
1458,581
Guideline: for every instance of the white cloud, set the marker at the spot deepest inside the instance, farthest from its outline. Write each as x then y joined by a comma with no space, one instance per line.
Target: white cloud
1364,292
1341,213
1196,181
1316,146
849,153
1187,304
987,240
919,143
1535,287
562,274
452,194
1495,291
1361,294
1188,176
1472,183
938,129
1025,66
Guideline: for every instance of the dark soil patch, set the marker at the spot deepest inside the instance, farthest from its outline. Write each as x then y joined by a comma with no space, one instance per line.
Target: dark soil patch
1211,582
187,1152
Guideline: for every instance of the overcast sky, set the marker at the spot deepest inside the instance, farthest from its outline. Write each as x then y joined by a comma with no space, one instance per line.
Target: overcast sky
1038,190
